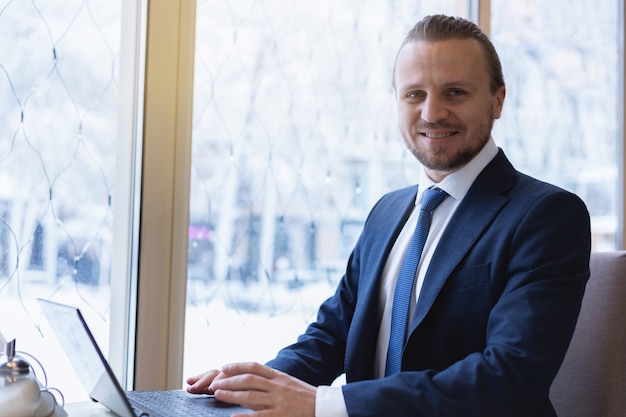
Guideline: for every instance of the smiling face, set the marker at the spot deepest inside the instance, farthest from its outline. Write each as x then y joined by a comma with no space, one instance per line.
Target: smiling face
446,107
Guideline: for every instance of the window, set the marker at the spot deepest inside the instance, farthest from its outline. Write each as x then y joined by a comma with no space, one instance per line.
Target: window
562,116
294,139
58,83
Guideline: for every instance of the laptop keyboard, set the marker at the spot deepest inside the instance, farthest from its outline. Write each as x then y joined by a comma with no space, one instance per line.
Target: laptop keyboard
177,403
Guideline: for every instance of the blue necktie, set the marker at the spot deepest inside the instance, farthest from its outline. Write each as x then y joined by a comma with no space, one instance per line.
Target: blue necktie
406,280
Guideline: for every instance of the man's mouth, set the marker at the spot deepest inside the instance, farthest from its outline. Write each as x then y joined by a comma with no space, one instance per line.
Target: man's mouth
438,135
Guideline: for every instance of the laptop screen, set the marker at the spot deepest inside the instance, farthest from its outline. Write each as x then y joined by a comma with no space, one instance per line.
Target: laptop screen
81,348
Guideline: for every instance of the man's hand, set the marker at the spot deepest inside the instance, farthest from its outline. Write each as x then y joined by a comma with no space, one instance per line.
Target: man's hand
270,393
199,384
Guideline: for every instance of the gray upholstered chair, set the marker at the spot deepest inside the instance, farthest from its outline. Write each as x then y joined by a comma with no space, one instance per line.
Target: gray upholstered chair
592,379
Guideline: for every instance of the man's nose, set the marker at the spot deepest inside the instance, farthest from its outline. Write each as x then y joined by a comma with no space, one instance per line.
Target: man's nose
434,110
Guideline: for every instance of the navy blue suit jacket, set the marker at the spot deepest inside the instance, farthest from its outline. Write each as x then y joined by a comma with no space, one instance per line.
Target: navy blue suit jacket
495,316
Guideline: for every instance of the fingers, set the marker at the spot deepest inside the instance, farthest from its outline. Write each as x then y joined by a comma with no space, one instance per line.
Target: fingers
241,382
248,384
267,391
250,398
238,382
253,368
199,384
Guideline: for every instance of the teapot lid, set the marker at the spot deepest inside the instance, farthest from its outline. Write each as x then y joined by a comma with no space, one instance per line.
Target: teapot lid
14,365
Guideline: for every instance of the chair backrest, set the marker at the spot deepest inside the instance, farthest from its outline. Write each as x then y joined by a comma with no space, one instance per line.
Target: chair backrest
592,379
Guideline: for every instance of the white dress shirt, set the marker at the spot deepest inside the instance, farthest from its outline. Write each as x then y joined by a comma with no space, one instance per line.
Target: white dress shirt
329,401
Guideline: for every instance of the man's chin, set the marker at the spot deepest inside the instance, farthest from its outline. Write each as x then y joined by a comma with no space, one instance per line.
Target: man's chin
433,161
440,158
443,163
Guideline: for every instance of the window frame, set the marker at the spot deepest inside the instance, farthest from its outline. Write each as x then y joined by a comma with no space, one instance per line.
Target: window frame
152,196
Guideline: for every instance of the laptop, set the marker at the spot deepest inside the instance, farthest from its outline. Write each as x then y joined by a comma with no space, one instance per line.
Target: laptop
98,379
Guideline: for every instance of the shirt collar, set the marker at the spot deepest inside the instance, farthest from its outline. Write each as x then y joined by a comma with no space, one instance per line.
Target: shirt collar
458,183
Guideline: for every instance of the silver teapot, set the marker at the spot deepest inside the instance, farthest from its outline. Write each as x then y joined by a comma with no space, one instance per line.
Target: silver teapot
20,394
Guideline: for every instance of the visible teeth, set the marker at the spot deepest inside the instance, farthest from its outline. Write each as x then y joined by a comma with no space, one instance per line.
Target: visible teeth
437,136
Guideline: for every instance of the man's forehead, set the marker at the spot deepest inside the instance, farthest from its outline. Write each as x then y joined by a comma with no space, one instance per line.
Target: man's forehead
459,47
455,56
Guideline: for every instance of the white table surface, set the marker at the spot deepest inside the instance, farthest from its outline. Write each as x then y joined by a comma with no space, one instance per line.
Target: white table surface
87,409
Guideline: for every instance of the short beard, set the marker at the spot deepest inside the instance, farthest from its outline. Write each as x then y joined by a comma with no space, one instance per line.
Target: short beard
438,162
459,160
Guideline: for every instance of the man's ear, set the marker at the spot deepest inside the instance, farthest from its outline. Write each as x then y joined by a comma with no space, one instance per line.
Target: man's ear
499,102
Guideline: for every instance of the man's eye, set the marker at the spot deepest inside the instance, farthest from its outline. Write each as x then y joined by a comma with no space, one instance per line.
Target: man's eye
414,95
457,92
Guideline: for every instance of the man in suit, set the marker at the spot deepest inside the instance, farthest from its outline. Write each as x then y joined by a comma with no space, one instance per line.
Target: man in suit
499,283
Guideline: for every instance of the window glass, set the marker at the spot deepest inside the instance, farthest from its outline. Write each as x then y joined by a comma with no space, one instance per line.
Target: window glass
58,83
562,120
294,139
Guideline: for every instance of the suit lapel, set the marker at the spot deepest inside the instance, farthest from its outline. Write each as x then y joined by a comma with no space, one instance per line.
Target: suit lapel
481,204
381,234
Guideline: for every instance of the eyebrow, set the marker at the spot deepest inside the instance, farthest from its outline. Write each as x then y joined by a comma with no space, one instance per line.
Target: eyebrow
469,85
450,84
